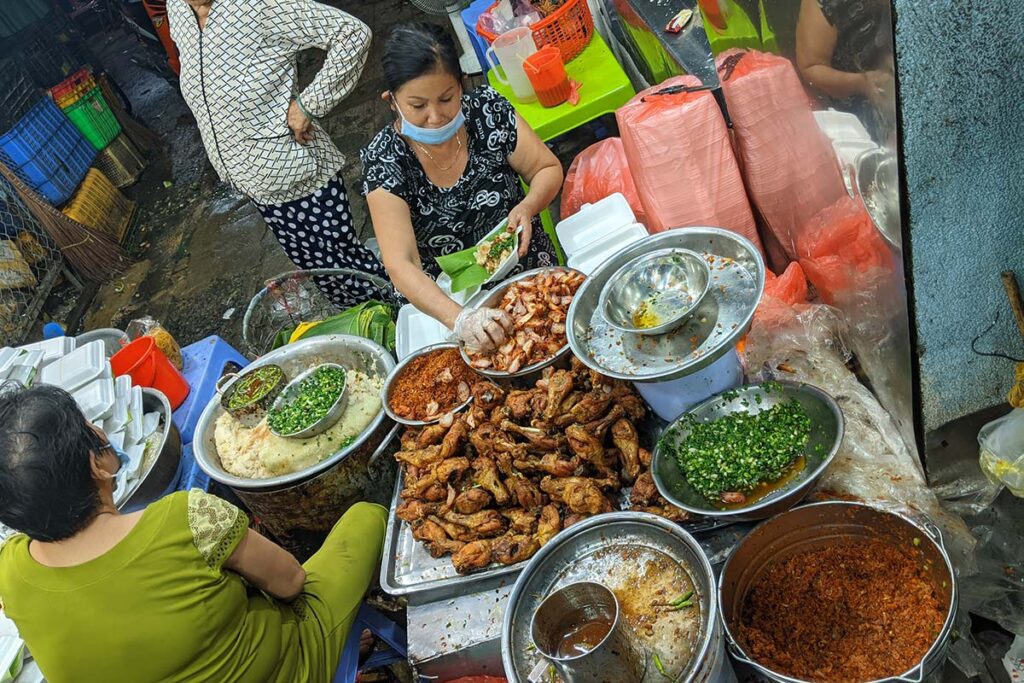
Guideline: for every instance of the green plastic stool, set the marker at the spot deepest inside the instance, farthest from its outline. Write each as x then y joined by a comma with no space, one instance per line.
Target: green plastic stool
740,31
604,88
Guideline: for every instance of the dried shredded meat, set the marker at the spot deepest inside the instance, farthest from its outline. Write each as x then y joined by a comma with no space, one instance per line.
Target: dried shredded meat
851,612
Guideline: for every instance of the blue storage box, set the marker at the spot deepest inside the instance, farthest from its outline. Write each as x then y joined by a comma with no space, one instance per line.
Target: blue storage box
46,151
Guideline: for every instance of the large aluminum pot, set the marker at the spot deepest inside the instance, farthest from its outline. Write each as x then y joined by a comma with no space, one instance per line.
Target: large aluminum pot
811,526
301,508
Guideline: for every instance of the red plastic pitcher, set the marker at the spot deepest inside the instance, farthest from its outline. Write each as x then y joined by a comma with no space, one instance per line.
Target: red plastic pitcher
148,367
546,72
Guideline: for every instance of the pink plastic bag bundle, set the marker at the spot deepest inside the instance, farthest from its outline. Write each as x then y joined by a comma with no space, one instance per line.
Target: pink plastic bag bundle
595,173
682,161
788,163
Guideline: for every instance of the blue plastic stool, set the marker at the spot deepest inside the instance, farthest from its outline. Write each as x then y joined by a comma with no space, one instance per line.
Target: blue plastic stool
391,633
470,15
204,364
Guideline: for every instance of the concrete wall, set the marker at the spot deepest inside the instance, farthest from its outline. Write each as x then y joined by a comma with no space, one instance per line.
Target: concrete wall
961,76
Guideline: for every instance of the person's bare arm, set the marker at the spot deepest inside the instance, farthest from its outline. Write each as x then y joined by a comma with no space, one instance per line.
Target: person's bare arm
815,44
392,226
541,170
267,566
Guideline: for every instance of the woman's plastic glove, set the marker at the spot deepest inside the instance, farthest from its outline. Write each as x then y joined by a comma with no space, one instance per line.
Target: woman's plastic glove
483,329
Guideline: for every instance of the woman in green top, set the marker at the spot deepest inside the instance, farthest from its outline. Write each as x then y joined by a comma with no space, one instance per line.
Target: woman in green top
181,591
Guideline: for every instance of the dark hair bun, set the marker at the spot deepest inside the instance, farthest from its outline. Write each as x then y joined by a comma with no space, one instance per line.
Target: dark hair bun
416,49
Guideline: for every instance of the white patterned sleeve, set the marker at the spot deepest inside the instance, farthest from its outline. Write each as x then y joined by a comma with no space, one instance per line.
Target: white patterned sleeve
304,24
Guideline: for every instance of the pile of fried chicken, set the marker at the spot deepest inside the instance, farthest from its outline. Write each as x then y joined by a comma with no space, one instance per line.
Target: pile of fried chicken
497,482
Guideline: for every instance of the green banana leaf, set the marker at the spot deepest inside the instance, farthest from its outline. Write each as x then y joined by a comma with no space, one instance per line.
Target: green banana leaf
462,268
370,319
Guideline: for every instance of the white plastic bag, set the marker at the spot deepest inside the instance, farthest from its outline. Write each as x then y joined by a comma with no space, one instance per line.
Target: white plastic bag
1002,452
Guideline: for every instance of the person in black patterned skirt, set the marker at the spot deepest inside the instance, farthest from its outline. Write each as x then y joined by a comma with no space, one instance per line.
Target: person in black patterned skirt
446,172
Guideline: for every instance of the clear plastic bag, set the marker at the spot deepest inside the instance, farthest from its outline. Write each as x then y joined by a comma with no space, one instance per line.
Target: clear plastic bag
1002,452
148,327
595,173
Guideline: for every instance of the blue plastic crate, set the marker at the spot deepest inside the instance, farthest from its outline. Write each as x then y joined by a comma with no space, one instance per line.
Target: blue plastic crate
46,151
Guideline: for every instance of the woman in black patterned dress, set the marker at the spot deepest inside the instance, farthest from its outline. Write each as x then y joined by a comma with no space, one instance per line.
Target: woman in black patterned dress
446,172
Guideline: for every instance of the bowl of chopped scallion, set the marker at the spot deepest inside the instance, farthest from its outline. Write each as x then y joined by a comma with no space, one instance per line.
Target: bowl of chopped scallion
310,404
748,453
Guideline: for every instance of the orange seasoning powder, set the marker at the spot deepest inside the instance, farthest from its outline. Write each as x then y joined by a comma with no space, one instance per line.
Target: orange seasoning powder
428,386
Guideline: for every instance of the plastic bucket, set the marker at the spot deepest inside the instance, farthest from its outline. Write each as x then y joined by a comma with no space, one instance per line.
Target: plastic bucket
547,75
148,367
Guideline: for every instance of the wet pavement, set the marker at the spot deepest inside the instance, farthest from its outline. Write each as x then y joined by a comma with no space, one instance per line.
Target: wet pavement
201,252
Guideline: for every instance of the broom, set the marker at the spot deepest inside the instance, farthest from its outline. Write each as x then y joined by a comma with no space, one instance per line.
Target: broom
94,255
145,139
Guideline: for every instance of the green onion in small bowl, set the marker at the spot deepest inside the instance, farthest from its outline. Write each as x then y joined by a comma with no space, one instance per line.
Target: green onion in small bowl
311,403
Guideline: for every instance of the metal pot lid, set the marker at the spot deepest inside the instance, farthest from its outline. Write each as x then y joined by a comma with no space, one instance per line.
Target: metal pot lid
642,558
737,281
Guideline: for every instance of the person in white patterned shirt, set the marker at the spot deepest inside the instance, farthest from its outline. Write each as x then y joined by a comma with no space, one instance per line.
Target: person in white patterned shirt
262,136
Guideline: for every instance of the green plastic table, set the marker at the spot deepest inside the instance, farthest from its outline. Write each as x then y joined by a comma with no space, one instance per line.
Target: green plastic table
604,88
740,31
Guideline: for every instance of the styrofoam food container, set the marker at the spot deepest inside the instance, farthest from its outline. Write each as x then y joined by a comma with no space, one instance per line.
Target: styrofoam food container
593,221
7,358
96,399
415,330
134,428
587,260
847,151
12,653
78,368
445,283
841,125
52,349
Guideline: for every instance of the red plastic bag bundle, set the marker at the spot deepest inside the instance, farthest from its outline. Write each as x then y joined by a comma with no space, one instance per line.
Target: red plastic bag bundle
842,252
783,295
595,173
682,161
788,162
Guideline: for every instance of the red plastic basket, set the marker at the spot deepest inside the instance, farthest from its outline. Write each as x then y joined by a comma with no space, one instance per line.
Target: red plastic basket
569,28
71,89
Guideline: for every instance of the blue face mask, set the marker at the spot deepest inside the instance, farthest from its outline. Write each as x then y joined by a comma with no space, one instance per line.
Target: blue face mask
431,136
121,456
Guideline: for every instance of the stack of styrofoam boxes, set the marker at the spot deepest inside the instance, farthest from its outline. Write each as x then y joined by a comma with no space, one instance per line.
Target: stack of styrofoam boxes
597,232
113,405
849,139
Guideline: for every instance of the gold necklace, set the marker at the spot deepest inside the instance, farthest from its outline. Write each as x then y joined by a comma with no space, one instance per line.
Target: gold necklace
458,139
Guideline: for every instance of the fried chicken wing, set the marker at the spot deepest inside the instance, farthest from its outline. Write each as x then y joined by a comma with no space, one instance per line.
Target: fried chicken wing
414,510
485,523
521,521
430,435
668,511
453,440
644,491
409,439
645,457
436,539
488,395
584,445
485,475
549,524
454,531
475,555
514,548
525,492
560,385
472,500
520,403
633,405
537,438
551,463
600,427
626,439
421,458
579,494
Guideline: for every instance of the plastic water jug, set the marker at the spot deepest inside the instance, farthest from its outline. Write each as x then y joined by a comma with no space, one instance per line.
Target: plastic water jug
510,50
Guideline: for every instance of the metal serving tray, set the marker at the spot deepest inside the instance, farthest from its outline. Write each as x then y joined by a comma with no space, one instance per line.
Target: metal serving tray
724,315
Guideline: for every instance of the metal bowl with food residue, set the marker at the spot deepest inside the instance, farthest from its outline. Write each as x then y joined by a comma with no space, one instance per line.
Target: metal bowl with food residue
463,394
656,292
557,328
248,395
768,498
310,393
